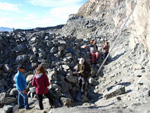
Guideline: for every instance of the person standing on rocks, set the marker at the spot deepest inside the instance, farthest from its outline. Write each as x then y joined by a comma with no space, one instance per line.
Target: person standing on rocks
106,49
21,85
83,70
94,51
40,81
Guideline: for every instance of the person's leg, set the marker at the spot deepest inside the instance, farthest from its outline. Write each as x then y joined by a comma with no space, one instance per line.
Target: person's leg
80,82
97,55
93,57
20,100
105,54
51,102
83,85
25,97
40,97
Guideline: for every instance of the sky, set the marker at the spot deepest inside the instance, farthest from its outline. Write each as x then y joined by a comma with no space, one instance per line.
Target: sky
37,13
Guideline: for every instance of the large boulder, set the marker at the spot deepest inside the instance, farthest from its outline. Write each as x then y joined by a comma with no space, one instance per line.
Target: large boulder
2,97
65,101
21,59
72,79
29,78
9,100
92,81
13,92
117,90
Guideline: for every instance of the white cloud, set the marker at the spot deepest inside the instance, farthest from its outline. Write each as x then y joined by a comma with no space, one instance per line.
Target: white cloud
63,12
4,22
54,3
30,17
9,7
56,13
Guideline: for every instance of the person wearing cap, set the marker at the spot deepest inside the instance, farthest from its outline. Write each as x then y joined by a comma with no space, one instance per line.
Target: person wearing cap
21,85
41,82
83,70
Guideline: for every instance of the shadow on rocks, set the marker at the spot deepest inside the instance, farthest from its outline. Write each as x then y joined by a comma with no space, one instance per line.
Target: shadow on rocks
96,107
123,83
117,56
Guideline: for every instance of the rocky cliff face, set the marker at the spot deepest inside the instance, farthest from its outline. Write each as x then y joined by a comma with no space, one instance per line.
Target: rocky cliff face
123,83
103,19
140,31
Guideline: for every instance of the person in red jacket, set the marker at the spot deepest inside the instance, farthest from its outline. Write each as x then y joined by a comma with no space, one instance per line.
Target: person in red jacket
94,51
40,81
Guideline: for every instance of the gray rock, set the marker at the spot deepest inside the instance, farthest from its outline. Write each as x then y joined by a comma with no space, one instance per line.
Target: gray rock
60,48
3,83
20,48
55,86
65,67
7,68
29,78
21,59
41,53
34,39
9,100
62,42
72,79
32,89
13,92
117,90
34,65
2,88
92,81
65,101
2,97
53,50
136,104
34,49
7,109
52,75
65,87
32,57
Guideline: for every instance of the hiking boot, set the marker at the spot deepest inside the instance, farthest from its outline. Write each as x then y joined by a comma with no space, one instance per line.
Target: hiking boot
20,107
28,108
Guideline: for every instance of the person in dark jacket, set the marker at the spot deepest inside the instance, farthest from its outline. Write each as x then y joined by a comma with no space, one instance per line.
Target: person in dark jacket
106,49
21,85
83,71
41,82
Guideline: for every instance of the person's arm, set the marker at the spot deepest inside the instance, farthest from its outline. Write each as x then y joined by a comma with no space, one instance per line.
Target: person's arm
19,83
33,82
94,42
47,81
104,47
24,91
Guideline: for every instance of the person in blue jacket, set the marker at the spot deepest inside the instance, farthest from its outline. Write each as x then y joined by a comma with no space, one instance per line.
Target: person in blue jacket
21,85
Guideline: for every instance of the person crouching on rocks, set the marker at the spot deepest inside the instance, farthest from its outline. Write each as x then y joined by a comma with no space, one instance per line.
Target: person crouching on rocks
41,82
83,70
